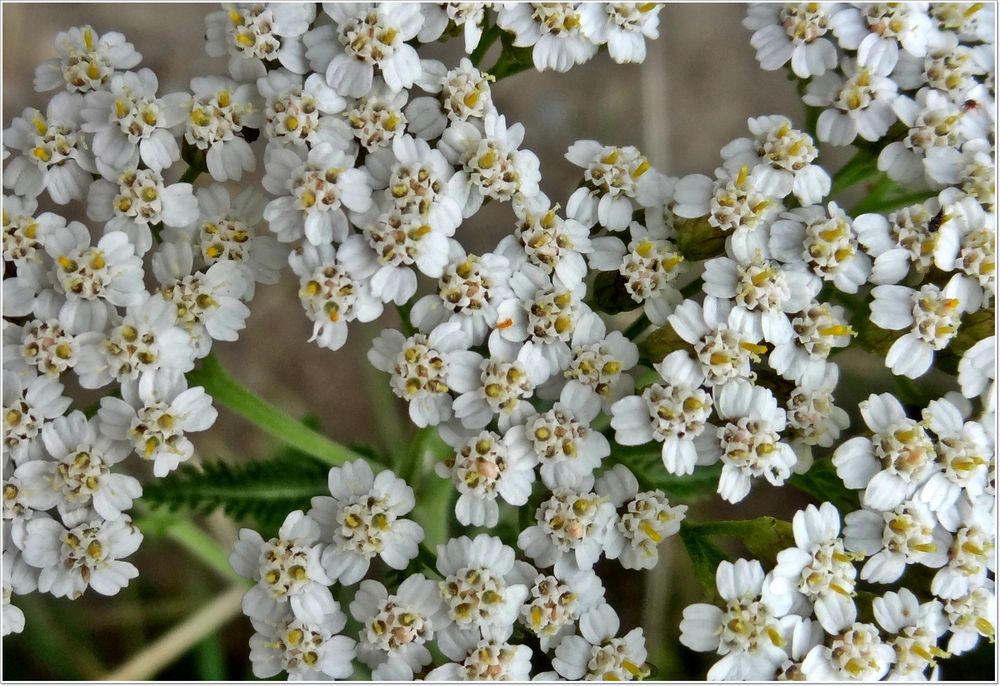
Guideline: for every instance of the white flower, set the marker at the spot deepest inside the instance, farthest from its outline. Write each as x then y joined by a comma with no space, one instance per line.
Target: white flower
377,117
822,241
490,658
622,26
970,169
25,231
976,368
480,589
207,303
484,468
146,342
419,368
498,385
546,240
613,179
752,630
648,265
398,626
818,570
302,114
304,650
18,578
220,110
723,338
971,616
561,439
86,555
968,22
490,163
461,94
86,61
571,529
748,440
932,316
81,470
878,30
468,292
795,32
674,412
818,328
780,160
598,654
468,15
554,31
53,153
42,346
860,103
894,462
917,627
732,203
644,519
363,518
373,35
313,188
813,418
155,420
130,123
857,654
139,200
907,534
897,240
555,603
973,551
330,295
27,404
252,34
600,366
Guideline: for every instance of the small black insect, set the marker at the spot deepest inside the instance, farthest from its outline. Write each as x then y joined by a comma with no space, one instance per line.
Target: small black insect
936,221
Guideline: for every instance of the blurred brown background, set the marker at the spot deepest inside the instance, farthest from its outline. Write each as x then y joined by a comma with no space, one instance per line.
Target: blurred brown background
693,94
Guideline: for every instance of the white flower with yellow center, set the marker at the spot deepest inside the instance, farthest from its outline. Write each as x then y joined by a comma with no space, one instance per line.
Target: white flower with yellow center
964,451
554,31
24,233
793,32
44,346
750,632
973,551
819,328
480,588
469,290
644,519
616,180
27,403
894,462
330,295
483,469
972,616
561,438
52,151
377,117
813,418
599,654
156,418
917,628
600,366
818,571
146,342
571,529
859,103
906,534
673,412
969,22
130,123
878,30
460,94
363,516
419,368
374,36
313,190
970,169
555,603
732,202
219,112
303,114
304,650
822,241
857,654
546,240
932,316
622,26
498,386
489,161
138,200
747,440
83,556
400,625
254,33
780,160
490,658
723,340
286,571
468,15
87,60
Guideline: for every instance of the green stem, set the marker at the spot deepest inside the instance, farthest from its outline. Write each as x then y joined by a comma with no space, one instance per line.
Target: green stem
486,41
187,535
860,167
227,391
879,203
636,328
190,175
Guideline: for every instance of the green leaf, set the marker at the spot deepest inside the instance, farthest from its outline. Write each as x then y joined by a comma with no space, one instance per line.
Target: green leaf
705,557
685,489
823,484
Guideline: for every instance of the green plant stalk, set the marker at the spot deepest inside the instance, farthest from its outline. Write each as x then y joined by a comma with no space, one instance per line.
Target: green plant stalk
203,548
860,167
190,175
227,391
489,37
